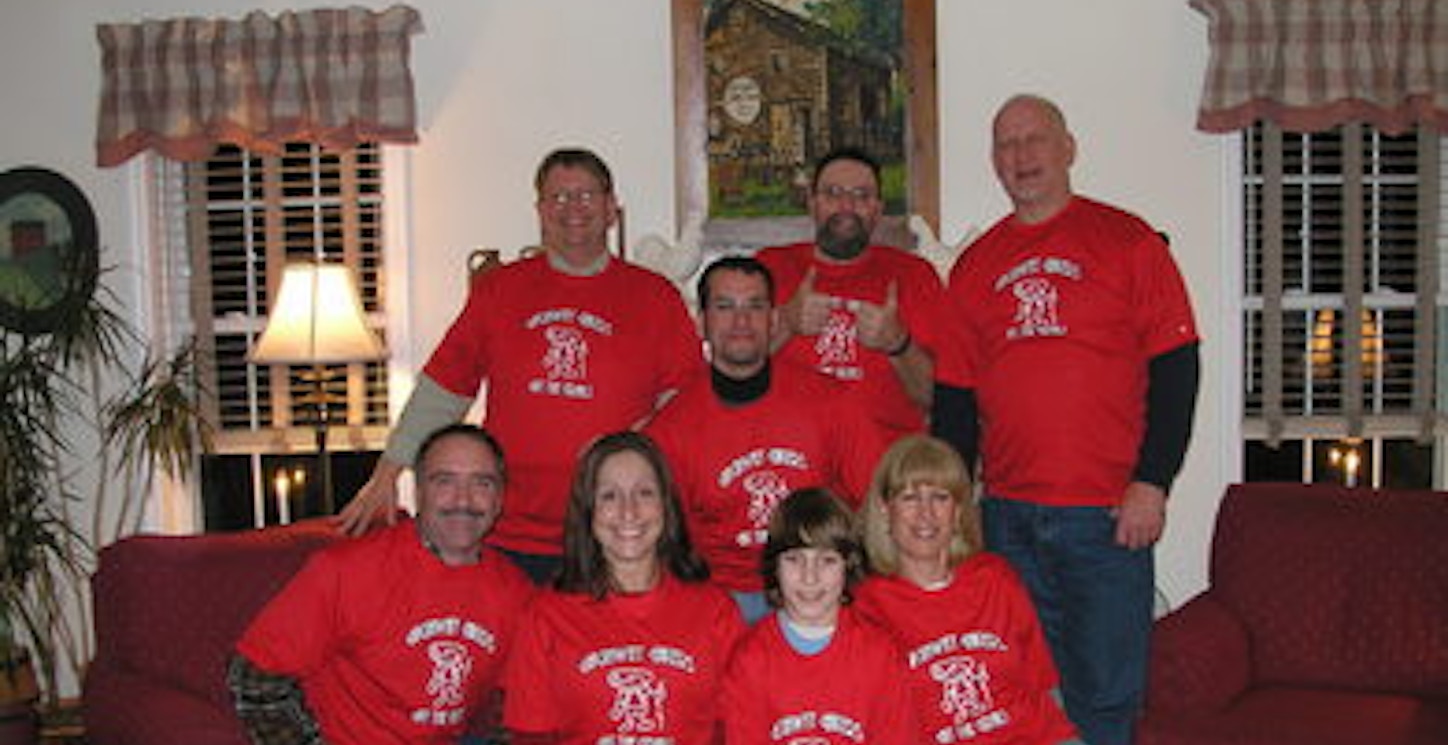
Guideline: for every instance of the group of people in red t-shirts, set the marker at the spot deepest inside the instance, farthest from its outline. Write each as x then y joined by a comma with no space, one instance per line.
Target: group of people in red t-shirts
766,548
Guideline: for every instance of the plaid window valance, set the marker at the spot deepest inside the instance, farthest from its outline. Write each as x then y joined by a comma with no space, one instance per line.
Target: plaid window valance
1310,65
182,86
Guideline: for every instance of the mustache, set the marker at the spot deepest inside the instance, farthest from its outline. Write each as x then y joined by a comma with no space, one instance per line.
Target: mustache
836,222
843,235
463,512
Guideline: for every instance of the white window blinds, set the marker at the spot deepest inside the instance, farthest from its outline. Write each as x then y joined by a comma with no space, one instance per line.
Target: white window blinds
246,216
1341,284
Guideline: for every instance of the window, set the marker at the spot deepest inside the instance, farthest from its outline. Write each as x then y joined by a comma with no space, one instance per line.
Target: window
245,216
1341,309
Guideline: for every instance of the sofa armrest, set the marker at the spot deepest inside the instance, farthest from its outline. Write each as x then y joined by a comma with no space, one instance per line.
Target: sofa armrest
121,708
1200,659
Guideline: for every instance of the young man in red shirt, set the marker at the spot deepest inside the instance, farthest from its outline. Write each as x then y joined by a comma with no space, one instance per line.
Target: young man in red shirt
816,671
752,430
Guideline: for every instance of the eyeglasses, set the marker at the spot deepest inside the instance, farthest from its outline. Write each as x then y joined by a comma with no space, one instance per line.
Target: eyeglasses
584,197
856,193
729,305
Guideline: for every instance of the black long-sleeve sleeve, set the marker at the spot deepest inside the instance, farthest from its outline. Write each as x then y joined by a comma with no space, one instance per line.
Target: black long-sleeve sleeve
1173,378
954,419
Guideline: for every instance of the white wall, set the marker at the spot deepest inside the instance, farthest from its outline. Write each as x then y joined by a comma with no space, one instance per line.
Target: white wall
500,82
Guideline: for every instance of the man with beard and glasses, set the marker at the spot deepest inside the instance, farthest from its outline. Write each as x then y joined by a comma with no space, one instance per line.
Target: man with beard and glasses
397,637
863,314
750,431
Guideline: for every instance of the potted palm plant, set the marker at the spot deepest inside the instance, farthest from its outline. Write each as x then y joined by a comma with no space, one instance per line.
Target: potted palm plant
51,389
19,689
41,551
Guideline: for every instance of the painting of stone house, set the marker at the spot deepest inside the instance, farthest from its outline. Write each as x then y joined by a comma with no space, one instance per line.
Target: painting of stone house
788,80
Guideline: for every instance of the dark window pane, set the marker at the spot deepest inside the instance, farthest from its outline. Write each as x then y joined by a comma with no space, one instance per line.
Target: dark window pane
226,486
1282,463
1407,464
226,492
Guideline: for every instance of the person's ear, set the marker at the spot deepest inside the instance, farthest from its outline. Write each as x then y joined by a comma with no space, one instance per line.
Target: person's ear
611,209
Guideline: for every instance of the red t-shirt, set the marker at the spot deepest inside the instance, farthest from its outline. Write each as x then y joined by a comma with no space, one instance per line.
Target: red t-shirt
873,385
853,691
566,359
980,670
629,668
734,463
1058,324
390,644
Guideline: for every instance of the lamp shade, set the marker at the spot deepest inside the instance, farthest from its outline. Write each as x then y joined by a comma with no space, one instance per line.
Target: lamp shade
317,319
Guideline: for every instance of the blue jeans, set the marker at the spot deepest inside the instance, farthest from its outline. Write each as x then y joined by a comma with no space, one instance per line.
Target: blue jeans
1094,599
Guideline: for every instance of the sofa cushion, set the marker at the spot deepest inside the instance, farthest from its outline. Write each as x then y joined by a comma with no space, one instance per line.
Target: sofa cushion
170,608
1337,588
123,709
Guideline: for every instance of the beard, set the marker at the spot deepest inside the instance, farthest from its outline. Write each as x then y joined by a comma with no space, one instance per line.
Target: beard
741,357
843,236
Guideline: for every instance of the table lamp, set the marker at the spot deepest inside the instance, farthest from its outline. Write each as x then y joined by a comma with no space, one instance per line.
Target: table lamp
317,320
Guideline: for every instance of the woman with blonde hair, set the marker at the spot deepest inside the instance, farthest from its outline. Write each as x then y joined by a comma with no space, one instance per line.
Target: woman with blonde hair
980,670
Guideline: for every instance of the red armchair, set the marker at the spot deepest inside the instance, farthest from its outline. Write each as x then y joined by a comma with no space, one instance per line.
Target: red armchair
1326,622
168,610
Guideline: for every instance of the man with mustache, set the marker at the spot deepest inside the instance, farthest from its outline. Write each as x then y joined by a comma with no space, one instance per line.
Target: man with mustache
861,313
398,637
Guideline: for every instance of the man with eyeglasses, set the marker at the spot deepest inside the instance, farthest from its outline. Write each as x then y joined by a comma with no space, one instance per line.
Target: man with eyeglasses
572,342
751,431
864,314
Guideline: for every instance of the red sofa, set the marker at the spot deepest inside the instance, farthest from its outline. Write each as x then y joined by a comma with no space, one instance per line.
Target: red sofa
1325,622
168,610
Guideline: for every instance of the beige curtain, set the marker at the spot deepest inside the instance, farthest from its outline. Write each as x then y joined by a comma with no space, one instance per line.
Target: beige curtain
1310,65
183,86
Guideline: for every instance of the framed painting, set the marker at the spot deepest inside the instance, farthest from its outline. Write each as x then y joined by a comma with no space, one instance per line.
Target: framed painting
763,88
49,259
